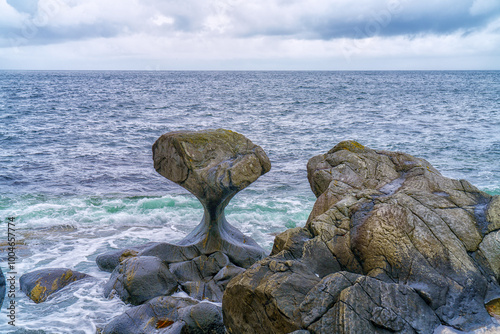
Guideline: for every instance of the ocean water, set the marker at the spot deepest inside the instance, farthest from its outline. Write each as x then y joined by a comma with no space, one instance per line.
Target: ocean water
77,173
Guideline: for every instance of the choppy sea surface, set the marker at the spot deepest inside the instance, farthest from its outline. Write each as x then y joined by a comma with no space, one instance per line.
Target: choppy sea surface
77,172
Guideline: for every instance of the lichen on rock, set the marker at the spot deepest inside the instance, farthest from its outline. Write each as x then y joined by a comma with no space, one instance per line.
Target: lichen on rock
40,284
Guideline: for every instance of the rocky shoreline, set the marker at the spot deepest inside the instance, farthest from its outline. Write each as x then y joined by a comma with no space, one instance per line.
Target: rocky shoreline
391,245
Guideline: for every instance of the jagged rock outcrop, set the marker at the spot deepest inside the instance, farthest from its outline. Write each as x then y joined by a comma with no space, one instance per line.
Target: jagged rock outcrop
430,242
40,284
169,315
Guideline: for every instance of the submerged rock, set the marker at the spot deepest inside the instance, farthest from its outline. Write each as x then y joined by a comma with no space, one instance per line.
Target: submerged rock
397,223
40,284
169,315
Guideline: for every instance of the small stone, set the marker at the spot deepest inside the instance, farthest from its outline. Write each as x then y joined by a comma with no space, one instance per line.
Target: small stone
40,284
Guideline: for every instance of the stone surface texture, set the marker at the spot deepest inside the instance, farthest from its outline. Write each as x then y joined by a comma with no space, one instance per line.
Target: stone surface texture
138,279
391,245
169,315
40,284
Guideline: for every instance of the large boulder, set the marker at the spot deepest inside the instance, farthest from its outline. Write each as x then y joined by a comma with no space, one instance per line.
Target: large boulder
394,219
351,303
267,296
40,284
138,279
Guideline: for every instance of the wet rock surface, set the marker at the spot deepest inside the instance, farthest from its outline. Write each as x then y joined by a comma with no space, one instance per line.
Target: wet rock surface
169,315
40,284
388,222
138,279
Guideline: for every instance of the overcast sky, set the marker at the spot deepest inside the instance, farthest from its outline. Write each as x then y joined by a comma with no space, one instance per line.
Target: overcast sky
244,34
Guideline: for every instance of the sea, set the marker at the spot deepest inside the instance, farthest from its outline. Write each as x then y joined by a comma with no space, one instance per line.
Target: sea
77,176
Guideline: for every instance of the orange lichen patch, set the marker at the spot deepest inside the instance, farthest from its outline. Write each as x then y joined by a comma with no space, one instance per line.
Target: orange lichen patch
132,272
38,294
164,323
67,275
493,308
128,253
55,284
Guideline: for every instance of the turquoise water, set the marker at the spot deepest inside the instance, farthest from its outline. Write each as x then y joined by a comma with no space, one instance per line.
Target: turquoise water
77,172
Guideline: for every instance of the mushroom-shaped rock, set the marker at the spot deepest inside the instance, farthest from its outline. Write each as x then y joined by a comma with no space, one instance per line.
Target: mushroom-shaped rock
40,284
213,165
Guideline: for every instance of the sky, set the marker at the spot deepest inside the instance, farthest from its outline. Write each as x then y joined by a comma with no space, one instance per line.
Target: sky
250,35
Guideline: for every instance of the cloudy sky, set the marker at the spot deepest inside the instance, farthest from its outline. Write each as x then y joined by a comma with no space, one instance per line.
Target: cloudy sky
243,34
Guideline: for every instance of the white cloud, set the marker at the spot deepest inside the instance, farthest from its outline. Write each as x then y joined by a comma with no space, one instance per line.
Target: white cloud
10,17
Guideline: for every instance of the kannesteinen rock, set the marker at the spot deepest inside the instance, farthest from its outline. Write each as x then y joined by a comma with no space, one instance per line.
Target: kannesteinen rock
213,165
391,245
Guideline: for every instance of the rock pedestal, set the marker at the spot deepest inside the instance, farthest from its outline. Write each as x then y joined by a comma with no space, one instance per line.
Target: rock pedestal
383,221
213,165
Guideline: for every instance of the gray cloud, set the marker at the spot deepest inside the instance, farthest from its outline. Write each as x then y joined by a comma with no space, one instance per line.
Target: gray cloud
388,18
56,21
